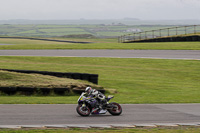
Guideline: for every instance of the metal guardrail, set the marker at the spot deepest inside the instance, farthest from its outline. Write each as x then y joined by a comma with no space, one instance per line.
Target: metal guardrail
165,32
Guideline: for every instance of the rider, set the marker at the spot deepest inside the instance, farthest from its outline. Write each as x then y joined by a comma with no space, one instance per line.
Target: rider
98,95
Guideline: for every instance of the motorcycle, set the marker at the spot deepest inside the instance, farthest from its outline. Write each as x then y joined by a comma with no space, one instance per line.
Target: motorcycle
87,104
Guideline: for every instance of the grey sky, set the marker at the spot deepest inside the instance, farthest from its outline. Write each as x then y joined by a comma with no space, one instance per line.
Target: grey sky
99,9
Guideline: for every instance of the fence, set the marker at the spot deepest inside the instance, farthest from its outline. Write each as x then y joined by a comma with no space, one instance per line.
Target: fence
165,32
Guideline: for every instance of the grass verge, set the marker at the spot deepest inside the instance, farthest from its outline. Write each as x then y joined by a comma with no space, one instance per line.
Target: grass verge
151,130
134,80
98,44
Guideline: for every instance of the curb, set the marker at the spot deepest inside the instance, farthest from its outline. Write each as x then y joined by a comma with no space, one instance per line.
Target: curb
99,126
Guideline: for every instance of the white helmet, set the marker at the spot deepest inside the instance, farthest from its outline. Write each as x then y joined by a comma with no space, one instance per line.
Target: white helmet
88,90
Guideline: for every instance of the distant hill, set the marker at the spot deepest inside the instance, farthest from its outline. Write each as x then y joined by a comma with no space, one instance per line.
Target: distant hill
127,21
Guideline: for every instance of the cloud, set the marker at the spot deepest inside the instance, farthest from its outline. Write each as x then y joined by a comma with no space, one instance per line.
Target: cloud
94,9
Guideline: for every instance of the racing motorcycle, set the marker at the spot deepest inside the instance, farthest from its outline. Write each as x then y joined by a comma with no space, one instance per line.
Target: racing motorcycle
87,104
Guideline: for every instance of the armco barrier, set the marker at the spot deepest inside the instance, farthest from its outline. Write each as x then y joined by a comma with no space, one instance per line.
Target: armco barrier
170,39
81,76
8,90
30,90
80,91
43,39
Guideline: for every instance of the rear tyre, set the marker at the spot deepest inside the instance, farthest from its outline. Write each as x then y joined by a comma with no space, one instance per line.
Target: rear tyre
115,111
83,111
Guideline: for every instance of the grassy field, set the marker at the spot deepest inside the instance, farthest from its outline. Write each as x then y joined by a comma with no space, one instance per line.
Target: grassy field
97,44
151,130
103,30
132,80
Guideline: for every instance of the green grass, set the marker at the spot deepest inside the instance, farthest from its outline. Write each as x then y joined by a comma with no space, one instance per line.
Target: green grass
151,130
98,44
135,80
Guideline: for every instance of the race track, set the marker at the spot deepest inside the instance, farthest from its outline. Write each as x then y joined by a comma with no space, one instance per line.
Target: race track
46,114
59,114
160,54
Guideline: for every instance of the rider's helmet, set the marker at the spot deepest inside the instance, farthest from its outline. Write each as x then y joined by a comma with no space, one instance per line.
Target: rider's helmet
88,90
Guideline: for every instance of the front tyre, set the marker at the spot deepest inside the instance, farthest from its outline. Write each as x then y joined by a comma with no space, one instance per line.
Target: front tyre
117,110
83,111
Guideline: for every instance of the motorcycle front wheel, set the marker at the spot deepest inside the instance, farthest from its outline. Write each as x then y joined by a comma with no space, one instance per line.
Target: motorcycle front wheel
115,111
83,111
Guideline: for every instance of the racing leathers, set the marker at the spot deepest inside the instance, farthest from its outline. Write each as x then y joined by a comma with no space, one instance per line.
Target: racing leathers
101,98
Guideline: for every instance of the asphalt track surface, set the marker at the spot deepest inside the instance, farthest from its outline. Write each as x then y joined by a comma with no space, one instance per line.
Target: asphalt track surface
159,54
42,114
132,114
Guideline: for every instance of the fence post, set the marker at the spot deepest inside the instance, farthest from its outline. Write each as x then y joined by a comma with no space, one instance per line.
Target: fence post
194,29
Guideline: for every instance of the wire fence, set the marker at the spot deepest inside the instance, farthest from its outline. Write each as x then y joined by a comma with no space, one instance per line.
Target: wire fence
165,32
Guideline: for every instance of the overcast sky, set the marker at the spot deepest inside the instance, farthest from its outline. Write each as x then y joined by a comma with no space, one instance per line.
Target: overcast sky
99,9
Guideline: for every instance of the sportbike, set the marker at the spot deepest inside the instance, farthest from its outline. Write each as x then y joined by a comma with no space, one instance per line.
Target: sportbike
87,104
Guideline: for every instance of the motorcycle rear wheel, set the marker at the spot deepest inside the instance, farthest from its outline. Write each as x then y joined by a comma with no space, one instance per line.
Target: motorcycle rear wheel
115,111
83,111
